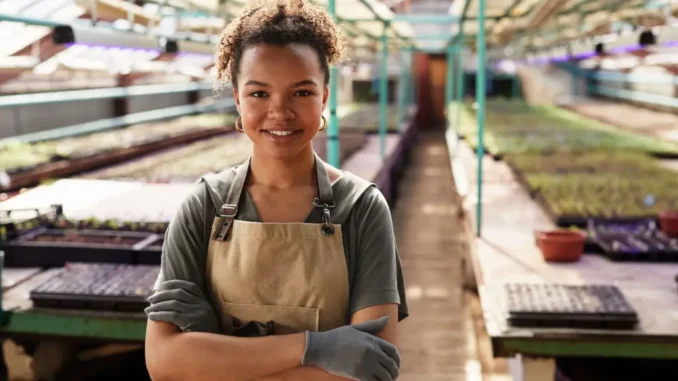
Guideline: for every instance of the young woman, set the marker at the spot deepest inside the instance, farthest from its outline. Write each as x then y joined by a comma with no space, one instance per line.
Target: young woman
283,268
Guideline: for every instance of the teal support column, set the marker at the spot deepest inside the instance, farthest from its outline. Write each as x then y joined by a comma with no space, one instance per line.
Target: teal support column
383,92
333,127
480,99
515,87
402,91
449,89
460,87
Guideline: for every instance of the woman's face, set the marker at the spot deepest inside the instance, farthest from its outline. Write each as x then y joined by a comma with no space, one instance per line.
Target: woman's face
280,96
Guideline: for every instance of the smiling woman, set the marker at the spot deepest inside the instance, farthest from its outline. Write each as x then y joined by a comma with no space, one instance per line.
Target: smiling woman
281,106
283,268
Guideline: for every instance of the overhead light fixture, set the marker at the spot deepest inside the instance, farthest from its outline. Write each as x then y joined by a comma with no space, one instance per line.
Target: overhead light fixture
647,38
169,46
100,36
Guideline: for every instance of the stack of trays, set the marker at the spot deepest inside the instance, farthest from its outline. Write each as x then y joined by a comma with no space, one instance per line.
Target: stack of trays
556,305
97,286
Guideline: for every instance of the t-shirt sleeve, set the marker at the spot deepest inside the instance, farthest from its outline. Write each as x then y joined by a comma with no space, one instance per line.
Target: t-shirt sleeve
184,250
378,277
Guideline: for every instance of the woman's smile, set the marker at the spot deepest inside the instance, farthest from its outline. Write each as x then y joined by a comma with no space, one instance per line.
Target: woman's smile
282,136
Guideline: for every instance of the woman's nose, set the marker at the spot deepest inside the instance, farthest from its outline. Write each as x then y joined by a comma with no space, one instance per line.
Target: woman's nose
279,108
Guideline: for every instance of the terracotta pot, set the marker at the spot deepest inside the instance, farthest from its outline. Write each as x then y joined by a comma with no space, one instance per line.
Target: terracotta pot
561,245
668,220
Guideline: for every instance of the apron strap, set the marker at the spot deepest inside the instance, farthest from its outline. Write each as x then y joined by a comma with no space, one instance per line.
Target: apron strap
325,194
229,210
238,183
325,200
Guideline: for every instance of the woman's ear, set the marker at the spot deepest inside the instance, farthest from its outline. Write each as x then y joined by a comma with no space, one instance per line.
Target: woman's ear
236,96
326,96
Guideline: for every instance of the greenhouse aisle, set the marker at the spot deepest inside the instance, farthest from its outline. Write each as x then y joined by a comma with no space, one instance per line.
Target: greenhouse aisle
437,340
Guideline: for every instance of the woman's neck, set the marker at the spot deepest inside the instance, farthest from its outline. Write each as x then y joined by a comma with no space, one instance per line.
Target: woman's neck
282,173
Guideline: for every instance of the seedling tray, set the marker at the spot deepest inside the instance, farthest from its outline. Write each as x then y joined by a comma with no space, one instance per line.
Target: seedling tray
556,305
97,286
637,241
46,247
12,226
151,254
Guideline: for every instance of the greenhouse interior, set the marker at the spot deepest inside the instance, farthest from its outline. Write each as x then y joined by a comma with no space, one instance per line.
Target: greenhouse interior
527,150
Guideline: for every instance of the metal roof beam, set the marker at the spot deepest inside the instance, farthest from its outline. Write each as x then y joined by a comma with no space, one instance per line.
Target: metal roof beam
31,21
506,14
461,24
432,18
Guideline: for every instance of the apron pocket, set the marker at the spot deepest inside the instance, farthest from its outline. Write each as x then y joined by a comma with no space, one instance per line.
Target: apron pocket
285,319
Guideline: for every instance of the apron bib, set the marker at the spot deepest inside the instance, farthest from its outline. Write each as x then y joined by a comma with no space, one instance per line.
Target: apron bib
277,278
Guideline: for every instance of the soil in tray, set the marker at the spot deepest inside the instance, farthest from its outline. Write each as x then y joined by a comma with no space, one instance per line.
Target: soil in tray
97,286
555,305
74,237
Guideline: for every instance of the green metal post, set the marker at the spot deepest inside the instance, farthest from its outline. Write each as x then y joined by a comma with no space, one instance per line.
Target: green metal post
383,92
480,99
515,87
333,128
449,89
402,90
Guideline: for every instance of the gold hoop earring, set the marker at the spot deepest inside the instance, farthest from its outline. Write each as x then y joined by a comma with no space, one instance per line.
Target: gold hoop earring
238,125
324,126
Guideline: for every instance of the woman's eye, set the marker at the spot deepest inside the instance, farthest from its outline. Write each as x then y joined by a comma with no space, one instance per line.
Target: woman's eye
303,93
259,94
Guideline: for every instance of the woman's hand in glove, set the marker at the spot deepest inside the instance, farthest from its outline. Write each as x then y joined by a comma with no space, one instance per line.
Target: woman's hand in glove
183,304
354,352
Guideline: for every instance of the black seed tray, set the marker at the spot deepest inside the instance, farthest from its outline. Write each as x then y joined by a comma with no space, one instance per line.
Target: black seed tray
151,254
45,247
97,286
639,241
556,305
581,222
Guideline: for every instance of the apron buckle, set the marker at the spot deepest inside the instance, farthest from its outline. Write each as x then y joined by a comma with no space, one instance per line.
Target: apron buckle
327,229
226,216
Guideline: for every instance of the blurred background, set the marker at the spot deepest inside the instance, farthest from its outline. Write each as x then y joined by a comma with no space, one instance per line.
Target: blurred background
516,141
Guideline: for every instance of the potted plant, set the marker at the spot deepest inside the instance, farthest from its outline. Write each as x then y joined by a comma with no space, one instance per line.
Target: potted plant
561,245
668,219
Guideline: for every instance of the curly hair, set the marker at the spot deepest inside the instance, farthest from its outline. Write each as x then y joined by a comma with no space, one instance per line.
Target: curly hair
278,22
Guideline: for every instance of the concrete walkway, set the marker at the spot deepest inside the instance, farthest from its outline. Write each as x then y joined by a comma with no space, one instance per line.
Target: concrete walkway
437,340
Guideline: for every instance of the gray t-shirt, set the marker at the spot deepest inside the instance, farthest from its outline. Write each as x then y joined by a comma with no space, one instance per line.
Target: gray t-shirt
374,269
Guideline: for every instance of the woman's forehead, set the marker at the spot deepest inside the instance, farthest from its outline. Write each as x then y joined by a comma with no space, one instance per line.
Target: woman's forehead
288,62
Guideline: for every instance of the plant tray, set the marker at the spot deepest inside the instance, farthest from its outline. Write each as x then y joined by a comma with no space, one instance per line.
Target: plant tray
151,254
97,286
12,226
54,247
633,241
557,305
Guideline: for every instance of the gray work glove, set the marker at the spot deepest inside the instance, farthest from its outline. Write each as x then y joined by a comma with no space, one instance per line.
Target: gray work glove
183,304
354,352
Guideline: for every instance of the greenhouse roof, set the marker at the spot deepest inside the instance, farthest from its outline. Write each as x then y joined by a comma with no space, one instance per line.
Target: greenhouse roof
547,22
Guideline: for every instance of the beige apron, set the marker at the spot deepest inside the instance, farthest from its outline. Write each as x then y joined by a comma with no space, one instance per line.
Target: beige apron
282,277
